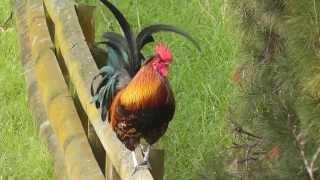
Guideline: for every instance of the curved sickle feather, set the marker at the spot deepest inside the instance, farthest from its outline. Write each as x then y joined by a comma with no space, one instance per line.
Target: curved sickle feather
112,36
148,31
116,46
133,50
118,38
146,40
121,43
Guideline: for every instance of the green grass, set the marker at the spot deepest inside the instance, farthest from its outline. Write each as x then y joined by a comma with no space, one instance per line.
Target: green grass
22,154
200,82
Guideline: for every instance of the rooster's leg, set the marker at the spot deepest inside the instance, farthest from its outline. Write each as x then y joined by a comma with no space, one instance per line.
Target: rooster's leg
147,155
143,165
134,158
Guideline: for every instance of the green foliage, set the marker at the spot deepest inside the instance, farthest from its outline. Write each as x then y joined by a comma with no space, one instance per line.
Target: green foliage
22,155
278,97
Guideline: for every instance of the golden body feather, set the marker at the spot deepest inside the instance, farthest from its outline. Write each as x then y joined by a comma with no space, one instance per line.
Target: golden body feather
143,108
147,89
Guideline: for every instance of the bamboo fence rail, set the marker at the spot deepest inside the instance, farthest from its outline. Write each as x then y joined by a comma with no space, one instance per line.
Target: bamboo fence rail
55,39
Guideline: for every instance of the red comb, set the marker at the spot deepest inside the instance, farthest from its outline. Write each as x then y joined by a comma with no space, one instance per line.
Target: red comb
163,52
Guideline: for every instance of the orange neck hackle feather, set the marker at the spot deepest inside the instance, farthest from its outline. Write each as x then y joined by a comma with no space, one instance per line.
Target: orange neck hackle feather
147,89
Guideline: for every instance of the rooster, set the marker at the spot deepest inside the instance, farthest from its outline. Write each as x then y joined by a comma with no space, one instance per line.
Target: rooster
134,92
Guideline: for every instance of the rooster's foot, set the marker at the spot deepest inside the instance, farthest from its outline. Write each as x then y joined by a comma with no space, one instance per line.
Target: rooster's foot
143,165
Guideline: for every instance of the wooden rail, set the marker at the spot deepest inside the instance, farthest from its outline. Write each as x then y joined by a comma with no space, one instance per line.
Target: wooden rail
35,103
56,58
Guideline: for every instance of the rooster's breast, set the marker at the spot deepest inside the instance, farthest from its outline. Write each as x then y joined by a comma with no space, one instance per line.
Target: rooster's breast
142,109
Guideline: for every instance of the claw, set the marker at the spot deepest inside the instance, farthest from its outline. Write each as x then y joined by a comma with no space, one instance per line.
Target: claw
146,164
143,165
146,154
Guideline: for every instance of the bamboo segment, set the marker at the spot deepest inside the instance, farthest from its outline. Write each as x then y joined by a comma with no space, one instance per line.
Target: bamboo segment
82,68
86,19
110,172
35,102
79,160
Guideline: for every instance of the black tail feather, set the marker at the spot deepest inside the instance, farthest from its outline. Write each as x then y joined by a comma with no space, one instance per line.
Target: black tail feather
117,38
146,40
148,31
132,46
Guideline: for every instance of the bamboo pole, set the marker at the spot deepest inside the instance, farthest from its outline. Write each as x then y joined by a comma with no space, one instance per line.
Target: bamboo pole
87,22
35,102
79,160
82,68
110,172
